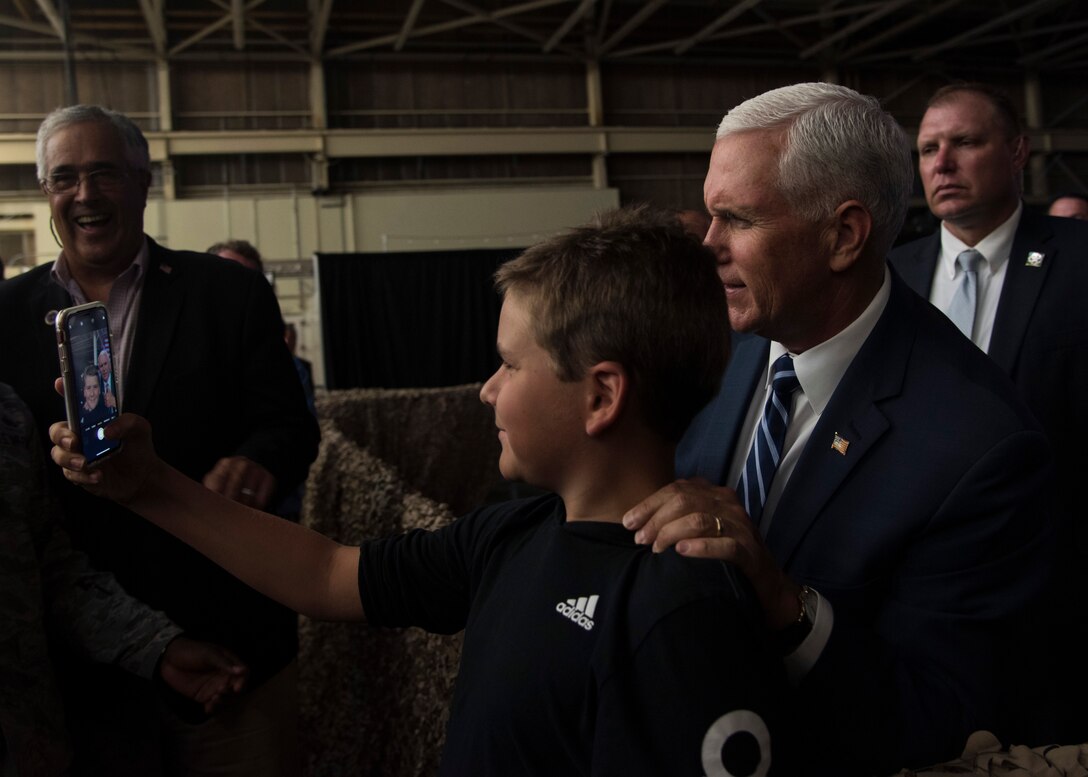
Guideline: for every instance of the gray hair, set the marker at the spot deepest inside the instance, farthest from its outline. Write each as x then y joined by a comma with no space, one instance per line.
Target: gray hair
838,145
138,154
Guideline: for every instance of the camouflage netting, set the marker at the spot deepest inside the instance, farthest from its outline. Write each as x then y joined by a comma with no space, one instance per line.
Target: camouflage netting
375,701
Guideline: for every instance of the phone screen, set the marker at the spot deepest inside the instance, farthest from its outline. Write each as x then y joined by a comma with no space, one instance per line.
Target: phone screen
90,383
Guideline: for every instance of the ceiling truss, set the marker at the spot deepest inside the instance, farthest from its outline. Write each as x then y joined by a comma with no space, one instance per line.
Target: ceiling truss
773,32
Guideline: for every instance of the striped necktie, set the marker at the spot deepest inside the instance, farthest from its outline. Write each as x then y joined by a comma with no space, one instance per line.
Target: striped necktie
766,451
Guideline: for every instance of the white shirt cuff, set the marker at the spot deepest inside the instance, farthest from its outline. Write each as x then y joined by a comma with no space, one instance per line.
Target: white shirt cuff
804,657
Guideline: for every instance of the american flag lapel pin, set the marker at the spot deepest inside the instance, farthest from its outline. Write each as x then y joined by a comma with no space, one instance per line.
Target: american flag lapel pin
166,268
840,444
1035,259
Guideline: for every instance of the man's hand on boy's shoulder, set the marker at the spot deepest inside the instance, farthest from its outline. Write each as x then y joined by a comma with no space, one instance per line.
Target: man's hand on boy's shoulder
706,521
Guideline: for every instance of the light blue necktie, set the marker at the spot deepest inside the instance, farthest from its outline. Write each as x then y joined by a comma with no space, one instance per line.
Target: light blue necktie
962,308
766,451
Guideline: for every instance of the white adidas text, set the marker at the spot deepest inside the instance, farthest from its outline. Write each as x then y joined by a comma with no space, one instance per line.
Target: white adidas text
579,610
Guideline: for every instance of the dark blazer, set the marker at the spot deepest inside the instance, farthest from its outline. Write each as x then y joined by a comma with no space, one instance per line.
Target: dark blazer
211,372
1040,339
927,535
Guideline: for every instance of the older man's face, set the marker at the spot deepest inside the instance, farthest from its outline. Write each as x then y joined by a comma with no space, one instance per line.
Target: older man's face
104,365
772,263
969,166
100,225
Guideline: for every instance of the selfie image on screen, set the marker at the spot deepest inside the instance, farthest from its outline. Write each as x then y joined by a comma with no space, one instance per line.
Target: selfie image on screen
88,334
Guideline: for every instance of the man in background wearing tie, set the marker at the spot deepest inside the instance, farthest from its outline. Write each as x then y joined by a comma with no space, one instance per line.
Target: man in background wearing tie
1016,283
870,471
105,372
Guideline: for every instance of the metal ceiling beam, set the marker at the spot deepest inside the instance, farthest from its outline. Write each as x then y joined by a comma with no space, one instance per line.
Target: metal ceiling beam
850,29
260,27
900,28
226,19
156,24
1048,53
49,11
319,25
631,24
21,24
468,21
238,24
409,23
777,26
476,11
602,25
566,26
964,37
200,35
721,21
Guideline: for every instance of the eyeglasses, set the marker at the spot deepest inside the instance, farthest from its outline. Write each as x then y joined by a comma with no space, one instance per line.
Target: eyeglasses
105,179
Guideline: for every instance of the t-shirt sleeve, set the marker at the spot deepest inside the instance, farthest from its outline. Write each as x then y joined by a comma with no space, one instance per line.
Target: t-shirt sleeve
426,578
699,694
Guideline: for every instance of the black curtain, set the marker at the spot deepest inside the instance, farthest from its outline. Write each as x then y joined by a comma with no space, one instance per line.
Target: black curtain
409,320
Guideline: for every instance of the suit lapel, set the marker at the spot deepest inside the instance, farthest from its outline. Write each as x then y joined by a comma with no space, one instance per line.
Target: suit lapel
918,266
708,445
854,415
1023,282
160,306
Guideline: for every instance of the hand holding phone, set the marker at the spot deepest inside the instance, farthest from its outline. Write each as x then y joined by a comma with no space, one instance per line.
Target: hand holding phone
91,392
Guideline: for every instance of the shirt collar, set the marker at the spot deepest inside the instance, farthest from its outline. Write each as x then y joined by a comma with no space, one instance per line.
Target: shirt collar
62,274
995,247
820,368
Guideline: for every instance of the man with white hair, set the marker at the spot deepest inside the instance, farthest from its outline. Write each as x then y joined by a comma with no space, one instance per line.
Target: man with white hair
197,345
870,471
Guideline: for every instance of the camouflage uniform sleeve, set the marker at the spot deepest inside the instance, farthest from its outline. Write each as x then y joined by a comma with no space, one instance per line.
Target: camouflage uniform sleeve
85,607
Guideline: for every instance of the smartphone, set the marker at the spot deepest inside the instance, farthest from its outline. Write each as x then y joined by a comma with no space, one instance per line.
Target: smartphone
91,395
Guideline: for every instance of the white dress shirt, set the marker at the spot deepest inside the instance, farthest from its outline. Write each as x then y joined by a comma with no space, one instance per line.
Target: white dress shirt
819,370
995,249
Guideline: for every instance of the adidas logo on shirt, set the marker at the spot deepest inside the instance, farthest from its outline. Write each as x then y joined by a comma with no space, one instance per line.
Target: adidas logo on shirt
579,610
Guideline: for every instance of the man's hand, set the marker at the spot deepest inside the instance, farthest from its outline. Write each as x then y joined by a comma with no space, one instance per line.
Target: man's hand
124,474
201,671
109,399
706,521
243,480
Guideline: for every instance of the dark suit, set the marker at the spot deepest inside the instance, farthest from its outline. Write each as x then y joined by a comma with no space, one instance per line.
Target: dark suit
210,370
925,536
1040,339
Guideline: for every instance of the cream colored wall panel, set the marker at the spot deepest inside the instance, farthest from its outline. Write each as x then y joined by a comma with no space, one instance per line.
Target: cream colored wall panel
192,225
274,231
430,221
332,214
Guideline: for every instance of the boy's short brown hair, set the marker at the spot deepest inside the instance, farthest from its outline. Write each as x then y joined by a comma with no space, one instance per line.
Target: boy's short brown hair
631,286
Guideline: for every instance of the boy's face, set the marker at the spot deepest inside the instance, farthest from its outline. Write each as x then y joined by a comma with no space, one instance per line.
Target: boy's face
538,415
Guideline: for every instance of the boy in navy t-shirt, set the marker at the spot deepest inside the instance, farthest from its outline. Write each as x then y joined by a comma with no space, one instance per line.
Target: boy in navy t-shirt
584,653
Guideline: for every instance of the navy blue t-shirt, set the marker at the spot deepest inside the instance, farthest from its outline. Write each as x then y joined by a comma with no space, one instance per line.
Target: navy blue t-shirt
584,653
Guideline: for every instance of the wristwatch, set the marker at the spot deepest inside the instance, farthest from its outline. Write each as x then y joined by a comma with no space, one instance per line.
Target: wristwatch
791,637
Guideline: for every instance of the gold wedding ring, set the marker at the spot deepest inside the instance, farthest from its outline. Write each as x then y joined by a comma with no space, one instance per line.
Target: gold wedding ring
718,523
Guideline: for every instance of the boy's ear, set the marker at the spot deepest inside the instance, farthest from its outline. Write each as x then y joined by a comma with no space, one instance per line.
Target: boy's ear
607,385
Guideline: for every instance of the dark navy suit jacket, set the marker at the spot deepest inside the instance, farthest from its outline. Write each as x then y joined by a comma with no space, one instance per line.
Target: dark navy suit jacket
210,370
1040,339
929,535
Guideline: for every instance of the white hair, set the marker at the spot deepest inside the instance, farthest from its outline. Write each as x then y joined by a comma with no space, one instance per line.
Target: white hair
838,145
138,154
